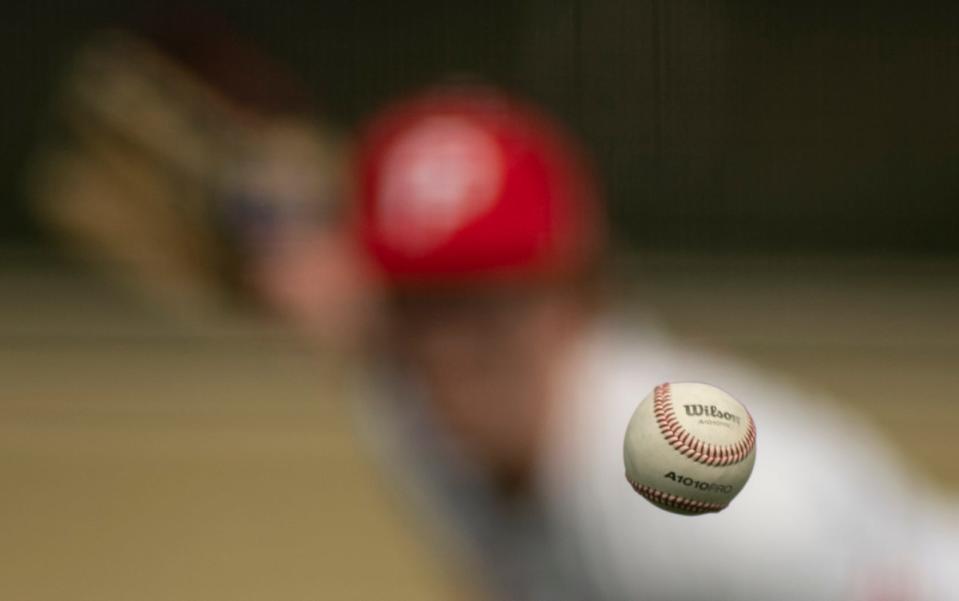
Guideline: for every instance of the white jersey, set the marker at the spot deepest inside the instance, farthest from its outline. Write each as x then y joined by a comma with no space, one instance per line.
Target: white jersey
828,514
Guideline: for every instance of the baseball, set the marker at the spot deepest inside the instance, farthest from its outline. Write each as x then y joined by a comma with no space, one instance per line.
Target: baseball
689,448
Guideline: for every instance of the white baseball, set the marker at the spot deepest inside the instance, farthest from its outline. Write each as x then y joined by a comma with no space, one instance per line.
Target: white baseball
689,448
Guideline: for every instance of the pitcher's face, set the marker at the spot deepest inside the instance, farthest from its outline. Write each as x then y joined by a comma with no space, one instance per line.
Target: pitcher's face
488,363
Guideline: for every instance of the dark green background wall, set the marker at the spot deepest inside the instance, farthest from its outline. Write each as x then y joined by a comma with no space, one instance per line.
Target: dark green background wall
716,125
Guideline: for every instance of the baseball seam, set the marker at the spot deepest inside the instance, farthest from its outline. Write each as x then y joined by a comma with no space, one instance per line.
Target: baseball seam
690,446
665,499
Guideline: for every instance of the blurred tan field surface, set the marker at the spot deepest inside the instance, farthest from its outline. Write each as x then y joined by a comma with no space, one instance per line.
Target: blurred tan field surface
142,458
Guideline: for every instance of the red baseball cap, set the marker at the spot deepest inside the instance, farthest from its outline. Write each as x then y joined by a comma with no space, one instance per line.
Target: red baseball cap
465,185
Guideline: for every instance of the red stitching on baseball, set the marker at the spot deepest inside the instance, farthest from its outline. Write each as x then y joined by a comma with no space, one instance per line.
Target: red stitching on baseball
674,501
690,446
